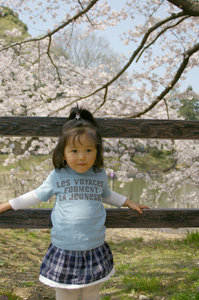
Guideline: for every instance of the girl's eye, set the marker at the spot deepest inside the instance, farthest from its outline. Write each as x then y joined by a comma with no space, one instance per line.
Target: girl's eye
74,151
89,150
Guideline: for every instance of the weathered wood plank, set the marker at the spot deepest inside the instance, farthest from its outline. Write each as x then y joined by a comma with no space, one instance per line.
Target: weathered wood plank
116,218
153,218
126,128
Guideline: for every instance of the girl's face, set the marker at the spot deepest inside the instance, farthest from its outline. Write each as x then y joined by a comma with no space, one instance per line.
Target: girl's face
80,155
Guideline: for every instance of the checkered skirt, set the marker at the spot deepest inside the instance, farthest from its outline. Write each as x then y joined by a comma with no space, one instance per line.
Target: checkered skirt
77,267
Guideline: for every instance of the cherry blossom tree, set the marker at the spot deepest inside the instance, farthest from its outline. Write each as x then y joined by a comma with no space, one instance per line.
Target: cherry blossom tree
163,36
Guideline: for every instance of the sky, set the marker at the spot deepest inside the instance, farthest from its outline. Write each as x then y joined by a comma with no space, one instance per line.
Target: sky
113,36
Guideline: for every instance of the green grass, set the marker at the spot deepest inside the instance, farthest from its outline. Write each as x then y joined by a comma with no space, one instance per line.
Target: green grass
140,283
9,296
188,295
192,237
168,269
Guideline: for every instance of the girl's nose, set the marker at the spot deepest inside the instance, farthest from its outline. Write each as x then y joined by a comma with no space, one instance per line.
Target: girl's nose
82,156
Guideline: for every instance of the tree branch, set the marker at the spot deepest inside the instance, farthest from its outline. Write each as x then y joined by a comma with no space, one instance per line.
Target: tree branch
159,34
48,53
71,20
167,109
85,14
179,72
105,86
135,53
189,7
105,96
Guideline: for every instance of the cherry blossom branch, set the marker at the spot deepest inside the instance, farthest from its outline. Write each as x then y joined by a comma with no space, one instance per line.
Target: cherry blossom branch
159,34
105,96
184,179
153,28
48,53
85,14
179,72
135,53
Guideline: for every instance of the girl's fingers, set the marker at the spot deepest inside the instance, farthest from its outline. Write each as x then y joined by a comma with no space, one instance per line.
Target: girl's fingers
140,207
143,206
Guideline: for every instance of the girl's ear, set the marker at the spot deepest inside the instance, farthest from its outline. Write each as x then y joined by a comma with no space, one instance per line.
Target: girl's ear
64,163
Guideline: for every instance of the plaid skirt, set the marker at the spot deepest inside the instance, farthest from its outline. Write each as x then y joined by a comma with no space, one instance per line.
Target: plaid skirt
73,269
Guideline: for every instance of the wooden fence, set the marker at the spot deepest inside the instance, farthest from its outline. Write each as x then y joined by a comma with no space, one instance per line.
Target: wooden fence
110,128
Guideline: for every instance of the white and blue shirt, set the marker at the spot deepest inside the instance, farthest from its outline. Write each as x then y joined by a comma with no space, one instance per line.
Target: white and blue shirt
78,215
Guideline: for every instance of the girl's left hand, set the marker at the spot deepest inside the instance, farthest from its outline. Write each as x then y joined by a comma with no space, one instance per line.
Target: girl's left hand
138,207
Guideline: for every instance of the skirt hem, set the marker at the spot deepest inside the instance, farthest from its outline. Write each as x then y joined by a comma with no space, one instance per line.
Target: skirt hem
55,284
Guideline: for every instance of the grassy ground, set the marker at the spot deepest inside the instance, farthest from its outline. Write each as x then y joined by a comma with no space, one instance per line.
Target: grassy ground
159,269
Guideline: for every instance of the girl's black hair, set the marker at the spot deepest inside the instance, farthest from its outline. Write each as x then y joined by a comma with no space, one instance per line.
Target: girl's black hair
79,121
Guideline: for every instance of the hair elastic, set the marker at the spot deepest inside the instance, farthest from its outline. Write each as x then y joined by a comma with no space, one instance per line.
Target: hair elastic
77,117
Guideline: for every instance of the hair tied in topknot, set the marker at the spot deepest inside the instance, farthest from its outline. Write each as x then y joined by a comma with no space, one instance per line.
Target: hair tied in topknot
77,113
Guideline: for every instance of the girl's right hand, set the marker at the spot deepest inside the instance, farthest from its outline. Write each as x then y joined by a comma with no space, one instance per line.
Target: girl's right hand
5,206
134,206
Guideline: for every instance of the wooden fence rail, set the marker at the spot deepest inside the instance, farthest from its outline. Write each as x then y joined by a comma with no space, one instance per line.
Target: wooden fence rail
116,218
111,128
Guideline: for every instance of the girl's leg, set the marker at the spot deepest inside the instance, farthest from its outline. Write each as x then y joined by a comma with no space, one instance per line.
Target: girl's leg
67,294
91,292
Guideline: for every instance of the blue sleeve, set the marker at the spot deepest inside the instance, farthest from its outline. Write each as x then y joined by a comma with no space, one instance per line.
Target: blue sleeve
46,190
106,190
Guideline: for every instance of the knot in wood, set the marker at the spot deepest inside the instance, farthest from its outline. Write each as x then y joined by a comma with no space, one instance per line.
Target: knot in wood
177,131
145,129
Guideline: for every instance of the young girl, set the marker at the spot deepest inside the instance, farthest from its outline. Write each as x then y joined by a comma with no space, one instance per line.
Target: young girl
78,258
